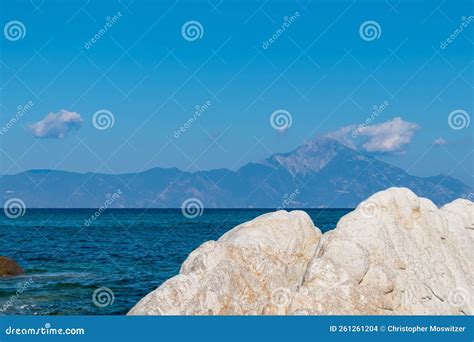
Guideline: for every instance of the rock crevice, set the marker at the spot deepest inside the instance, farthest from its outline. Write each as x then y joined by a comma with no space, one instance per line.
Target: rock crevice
395,253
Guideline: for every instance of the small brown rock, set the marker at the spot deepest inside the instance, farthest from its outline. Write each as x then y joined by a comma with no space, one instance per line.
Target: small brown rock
9,267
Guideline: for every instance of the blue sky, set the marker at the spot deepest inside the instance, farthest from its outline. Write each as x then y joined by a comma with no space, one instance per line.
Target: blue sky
150,78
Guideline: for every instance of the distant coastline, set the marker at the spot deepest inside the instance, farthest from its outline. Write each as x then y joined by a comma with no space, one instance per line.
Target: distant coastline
322,173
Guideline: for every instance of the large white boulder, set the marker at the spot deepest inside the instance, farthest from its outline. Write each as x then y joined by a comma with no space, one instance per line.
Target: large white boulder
395,253
243,273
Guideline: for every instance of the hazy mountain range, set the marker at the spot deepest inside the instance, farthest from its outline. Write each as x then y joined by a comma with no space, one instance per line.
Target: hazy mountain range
320,173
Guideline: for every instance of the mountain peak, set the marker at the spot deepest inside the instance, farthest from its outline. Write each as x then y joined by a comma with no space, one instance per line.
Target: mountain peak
310,157
321,138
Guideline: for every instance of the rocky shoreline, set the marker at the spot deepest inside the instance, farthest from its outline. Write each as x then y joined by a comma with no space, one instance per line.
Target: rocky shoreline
395,254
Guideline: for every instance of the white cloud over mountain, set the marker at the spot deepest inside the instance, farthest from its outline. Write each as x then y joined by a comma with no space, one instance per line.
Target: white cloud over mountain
56,125
387,137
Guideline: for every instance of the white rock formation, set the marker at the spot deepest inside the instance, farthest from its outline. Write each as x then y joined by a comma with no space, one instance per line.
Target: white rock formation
395,254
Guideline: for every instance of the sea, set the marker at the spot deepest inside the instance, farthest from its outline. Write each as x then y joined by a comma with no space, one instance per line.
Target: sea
78,266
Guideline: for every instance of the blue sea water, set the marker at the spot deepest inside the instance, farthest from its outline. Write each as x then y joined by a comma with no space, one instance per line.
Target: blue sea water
129,251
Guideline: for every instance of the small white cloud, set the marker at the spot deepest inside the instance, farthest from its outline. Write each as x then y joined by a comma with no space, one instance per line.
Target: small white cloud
440,142
388,137
56,125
